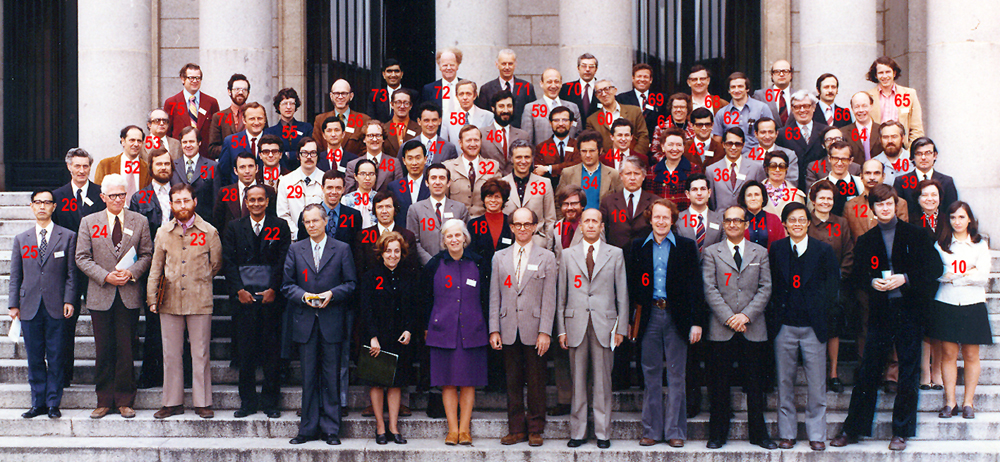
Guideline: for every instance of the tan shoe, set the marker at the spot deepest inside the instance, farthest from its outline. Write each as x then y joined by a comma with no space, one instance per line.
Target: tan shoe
451,439
100,412
204,412
464,438
167,411
513,438
126,412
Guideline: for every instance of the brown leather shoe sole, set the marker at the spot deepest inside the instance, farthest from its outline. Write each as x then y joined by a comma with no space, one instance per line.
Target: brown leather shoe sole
675,443
513,438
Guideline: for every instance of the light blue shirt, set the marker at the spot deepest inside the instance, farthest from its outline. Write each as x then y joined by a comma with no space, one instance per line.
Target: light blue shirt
751,112
661,255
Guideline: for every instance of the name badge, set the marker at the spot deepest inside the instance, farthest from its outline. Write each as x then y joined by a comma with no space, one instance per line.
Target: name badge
754,264
349,129
708,154
470,282
341,168
298,132
449,215
650,107
87,201
505,240
532,267
59,254
568,149
740,176
411,132
713,225
574,123
201,110
600,106
127,231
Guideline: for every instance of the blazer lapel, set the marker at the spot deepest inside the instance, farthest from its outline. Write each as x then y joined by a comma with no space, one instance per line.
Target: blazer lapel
605,179
327,255
602,257
727,257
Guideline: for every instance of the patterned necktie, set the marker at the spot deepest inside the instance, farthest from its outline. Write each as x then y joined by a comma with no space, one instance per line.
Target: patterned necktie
590,262
331,223
732,175
317,253
256,229
643,102
193,111
829,118
438,210
805,133
116,234
190,171
699,233
517,271
506,155
782,107
468,118
738,258
472,173
43,244
307,180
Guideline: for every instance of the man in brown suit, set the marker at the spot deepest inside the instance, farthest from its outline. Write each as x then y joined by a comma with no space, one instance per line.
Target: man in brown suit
341,96
128,164
558,151
401,127
610,111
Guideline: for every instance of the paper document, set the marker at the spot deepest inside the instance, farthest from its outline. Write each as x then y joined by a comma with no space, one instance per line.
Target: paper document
127,260
15,330
613,331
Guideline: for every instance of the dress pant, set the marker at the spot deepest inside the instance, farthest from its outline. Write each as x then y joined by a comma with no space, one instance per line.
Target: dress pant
621,374
258,328
748,356
786,351
525,367
345,357
320,361
898,327
68,343
199,329
152,351
114,333
591,356
43,340
695,376
496,375
662,347
891,365
563,379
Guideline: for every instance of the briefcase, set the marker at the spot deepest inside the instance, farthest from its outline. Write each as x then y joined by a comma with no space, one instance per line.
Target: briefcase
256,278
633,330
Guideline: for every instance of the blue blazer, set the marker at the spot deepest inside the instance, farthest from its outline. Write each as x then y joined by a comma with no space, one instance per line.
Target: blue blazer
290,148
48,279
814,288
227,158
336,274
403,197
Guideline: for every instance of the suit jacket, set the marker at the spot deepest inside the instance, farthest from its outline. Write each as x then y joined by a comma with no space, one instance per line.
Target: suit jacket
602,299
366,256
573,92
68,212
438,150
482,237
223,125
539,128
852,135
687,227
387,170
146,203
685,294
228,206
539,197
910,116
813,288
651,116
558,229
820,169
114,165
391,145
730,290
465,192
477,116
335,273
841,116
620,229
494,149
167,144
206,182
772,103
241,247
547,153
30,287
380,108
522,91
860,218
422,221
431,92
328,160
290,140
710,153
640,136
906,189
807,150
97,257
527,309
231,147
354,137
401,190
177,110
188,270
723,194
610,181
346,229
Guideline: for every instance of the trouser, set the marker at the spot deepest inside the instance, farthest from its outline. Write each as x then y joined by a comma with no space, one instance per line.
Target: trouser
621,374
899,328
199,328
68,343
590,355
663,347
891,365
525,368
786,348
43,342
320,359
152,351
697,357
114,332
258,326
345,359
748,356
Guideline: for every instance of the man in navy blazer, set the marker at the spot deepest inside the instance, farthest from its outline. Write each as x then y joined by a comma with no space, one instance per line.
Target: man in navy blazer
521,90
924,154
412,187
442,91
319,282
42,292
251,140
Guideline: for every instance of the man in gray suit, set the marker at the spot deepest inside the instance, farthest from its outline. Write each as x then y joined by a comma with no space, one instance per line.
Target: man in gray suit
767,133
592,283
727,176
535,119
697,222
737,279
424,218
779,97
113,294
522,308
44,302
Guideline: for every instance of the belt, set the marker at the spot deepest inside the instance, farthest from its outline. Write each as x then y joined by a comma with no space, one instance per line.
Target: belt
661,303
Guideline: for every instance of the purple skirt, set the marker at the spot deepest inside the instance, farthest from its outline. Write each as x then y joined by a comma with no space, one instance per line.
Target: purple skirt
458,367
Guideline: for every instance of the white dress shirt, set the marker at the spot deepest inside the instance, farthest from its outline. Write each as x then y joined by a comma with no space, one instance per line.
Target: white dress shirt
48,233
519,270
317,250
413,187
742,245
799,247
635,199
162,192
969,287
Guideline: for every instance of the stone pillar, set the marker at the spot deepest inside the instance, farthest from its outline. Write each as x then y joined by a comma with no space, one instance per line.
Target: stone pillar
238,38
479,29
114,71
292,47
775,40
840,38
603,29
963,49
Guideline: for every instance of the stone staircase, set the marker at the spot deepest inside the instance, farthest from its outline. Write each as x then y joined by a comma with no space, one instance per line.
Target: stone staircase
188,437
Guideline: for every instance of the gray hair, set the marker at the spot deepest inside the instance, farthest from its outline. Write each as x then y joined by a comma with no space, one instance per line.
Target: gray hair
451,223
314,206
803,95
585,56
634,161
604,80
507,52
521,143
149,117
111,181
78,152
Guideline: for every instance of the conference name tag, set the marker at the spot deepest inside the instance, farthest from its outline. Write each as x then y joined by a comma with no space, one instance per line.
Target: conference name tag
127,231
740,176
470,282
650,107
713,225
568,149
341,168
87,201
202,111
349,129
59,254
449,215
532,267
505,240
411,132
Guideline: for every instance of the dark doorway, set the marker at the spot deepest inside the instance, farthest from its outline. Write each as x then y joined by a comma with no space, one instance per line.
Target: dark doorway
41,94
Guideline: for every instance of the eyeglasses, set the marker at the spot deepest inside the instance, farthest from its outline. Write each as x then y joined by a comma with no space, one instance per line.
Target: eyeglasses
119,196
240,90
697,79
521,225
603,91
834,138
781,71
799,221
193,77
842,160
287,104
402,103
307,154
781,167
702,124
801,107
924,153
733,221
159,121
270,151
340,94
40,202
374,136
571,203
733,144
366,174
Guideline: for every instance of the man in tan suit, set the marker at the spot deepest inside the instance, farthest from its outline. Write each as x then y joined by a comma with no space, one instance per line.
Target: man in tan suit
596,179
113,294
469,171
522,308
901,101
610,111
531,191
592,319
133,170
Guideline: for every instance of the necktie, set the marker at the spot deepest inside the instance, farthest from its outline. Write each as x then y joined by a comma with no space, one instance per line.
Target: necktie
738,258
190,171
116,234
317,253
590,262
331,223
342,119
506,155
438,210
517,271
805,133
568,230
244,211
43,244
630,204
732,175
256,229
193,110
585,100
562,155
840,197
829,116
253,146
643,102
307,180
467,118
699,233
79,201
782,107
864,142
505,87
795,251
472,173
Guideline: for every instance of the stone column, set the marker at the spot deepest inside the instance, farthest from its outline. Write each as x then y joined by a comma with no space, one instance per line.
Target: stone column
775,39
840,38
963,49
479,29
114,71
603,29
238,38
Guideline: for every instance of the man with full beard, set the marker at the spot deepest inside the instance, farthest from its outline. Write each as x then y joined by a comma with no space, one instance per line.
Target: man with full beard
230,120
894,157
498,137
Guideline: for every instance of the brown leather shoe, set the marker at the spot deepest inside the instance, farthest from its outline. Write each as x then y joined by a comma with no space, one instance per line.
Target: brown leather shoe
465,438
404,411
513,438
167,411
126,412
204,412
898,443
843,439
817,446
675,443
647,442
100,412
451,439
535,439
368,412
786,444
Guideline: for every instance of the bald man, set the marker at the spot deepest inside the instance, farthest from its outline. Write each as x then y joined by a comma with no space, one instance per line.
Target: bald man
341,96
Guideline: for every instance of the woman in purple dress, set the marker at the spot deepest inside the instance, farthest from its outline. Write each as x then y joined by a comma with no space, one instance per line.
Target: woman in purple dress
455,293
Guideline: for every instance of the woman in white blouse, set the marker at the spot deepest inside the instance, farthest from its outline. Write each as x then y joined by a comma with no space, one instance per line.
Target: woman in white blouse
959,315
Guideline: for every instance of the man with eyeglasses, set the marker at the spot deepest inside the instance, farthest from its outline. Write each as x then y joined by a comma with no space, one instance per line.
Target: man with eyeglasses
847,186
521,91
698,80
158,123
301,187
925,157
582,92
381,107
537,118
778,97
192,108
728,175
802,134
361,198
818,169
288,130
742,112
114,295
703,149
894,157
767,133
863,133
559,150
269,165
400,128
229,120
341,95
250,140
385,165
610,111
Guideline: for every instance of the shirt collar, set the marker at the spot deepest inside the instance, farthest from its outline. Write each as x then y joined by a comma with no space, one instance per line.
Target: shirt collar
527,248
434,203
550,102
930,173
732,247
670,237
185,225
892,90
336,208
194,159
808,126
597,247
187,96
316,176
825,106
322,244
800,246
85,188
159,189
382,229
48,230
261,222
111,216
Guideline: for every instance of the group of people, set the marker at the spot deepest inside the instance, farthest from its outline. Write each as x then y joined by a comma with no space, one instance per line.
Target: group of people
481,231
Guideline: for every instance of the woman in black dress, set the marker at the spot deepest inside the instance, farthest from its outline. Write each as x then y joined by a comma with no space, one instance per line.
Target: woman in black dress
930,360
389,305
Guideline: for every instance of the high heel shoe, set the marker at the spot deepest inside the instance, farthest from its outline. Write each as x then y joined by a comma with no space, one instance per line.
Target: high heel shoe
381,438
397,438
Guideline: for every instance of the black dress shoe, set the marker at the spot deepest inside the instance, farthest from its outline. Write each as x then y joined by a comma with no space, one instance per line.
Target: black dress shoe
843,439
35,412
559,409
334,440
381,439
767,444
714,444
397,438
576,443
890,386
272,413
54,413
243,412
835,385
300,439
344,412
604,444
